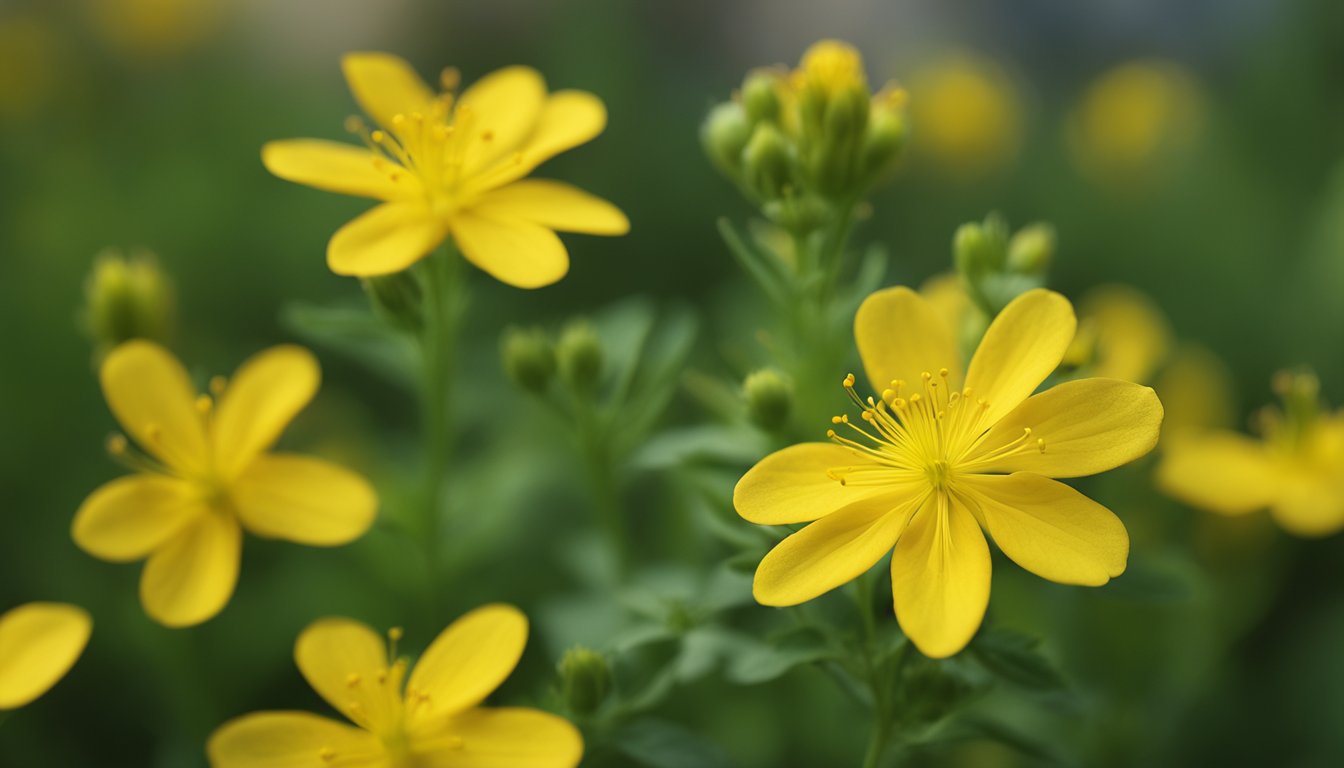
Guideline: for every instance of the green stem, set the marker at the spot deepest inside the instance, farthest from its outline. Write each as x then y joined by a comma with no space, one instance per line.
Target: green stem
602,480
439,341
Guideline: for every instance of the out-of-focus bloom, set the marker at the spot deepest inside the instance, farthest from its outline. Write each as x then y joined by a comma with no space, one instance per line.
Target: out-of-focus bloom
39,643
450,165
206,474
432,718
155,29
942,454
1196,390
1296,470
128,297
966,114
1121,335
29,63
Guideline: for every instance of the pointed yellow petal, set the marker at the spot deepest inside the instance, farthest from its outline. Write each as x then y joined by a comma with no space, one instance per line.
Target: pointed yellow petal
292,740
555,205
1220,472
513,251
792,485
341,168
835,549
1311,506
568,119
385,239
385,85
1049,528
305,500
343,660
1022,346
266,392
501,111
505,737
39,643
900,336
130,517
190,578
1088,426
151,395
467,661
940,578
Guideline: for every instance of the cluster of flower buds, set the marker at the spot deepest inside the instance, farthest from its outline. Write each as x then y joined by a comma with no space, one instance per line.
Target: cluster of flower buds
996,266
531,360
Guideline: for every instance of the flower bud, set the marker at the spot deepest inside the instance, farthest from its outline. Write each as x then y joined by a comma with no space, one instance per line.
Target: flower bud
760,97
724,135
127,298
835,160
529,358
398,299
977,252
883,142
579,354
766,166
585,680
769,398
1031,249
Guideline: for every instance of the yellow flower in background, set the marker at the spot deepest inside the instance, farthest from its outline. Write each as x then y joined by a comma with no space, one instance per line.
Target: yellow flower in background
39,643
434,719
149,29
1196,390
449,165
31,64
939,456
1122,334
966,114
1296,470
207,474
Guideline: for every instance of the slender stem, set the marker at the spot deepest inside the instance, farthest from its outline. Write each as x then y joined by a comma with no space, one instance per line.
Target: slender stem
438,342
602,479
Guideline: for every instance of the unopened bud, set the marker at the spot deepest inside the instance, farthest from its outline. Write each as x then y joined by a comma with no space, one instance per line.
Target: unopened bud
766,166
579,354
883,142
127,298
585,679
1031,249
760,97
398,299
769,398
529,358
976,251
724,135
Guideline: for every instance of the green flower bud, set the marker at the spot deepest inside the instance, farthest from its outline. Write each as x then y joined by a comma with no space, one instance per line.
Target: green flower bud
769,398
127,298
585,680
883,143
398,299
529,358
579,354
975,252
766,165
834,164
1031,249
724,135
760,97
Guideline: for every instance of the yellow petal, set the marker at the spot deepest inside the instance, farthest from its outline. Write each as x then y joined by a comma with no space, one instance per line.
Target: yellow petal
1311,506
39,643
132,516
334,167
501,111
568,119
191,577
1132,334
305,500
292,740
1221,472
940,578
901,336
834,550
513,251
1049,528
555,205
343,659
792,485
385,239
467,661
1088,426
151,395
264,395
1022,346
385,85
505,737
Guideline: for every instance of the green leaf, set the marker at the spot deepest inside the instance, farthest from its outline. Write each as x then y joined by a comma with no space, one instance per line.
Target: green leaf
707,442
1014,657
662,744
763,662
357,333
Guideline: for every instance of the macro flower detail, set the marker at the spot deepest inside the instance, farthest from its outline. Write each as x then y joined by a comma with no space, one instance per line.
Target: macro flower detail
453,165
940,455
39,643
431,718
206,474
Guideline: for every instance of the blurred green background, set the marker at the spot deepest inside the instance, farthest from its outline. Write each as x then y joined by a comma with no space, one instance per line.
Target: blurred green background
138,123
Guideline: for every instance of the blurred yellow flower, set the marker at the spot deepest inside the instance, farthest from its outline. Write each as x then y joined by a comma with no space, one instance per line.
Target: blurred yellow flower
452,166
966,114
943,455
1296,470
207,474
39,642
148,29
1122,334
436,720
1196,390
30,65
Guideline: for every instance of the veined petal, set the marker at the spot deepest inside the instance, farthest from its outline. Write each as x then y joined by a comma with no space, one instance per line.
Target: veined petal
835,549
385,239
131,516
792,485
39,643
1221,472
1310,506
267,391
191,577
1049,528
556,205
343,660
940,578
568,119
1088,426
292,740
1022,346
335,167
151,395
901,336
385,85
504,106
517,252
467,662
505,737
305,500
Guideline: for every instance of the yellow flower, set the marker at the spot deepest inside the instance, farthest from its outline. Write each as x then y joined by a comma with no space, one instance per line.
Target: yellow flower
207,474
941,455
39,642
1297,470
966,114
1121,335
436,720
453,166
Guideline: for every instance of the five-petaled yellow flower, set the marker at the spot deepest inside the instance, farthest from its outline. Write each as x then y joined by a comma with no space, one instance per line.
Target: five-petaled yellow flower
207,474
435,719
39,642
449,165
939,456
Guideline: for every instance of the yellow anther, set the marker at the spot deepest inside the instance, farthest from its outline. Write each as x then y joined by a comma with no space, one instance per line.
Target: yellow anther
1026,431
926,376
204,404
398,120
830,433
836,420
888,394
377,137
915,398
944,372
217,385
395,634
849,381
899,403
352,679
868,416
117,445
1040,443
